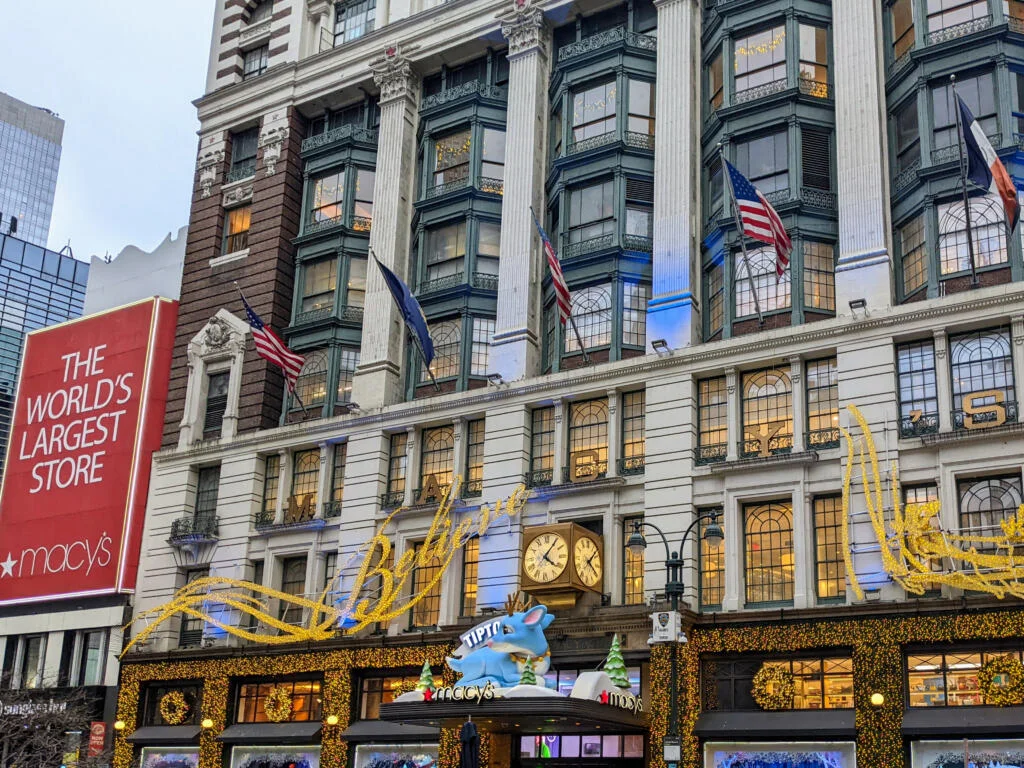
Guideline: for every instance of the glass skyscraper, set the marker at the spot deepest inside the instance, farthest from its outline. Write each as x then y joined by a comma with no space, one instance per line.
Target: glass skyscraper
30,140
38,288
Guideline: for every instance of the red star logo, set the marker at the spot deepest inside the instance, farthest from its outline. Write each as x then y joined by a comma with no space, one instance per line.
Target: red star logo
604,697
428,695
390,51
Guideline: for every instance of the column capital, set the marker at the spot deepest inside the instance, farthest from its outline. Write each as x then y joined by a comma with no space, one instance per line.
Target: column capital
659,4
524,28
394,74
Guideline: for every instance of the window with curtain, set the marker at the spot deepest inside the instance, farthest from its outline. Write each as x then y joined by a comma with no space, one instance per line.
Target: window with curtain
271,482
397,461
592,311
829,564
985,503
641,107
819,276
254,62
483,330
236,229
591,211
767,413
634,313
634,406
915,374
632,567
943,14
588,439
437,457
348,361
914,255
593,111
447,336
492,164
319,281
901,12
474,476
712,420
488,247
760,58
446,251
353,19
822,404
327,199
978,93
305,479
988,227
814,61
908,135
355,288
452,155
311,383
716,82
426,612
470,571
773,292
765,161
542,446
293,582
711,558
714,282
982,362
366,183
768,534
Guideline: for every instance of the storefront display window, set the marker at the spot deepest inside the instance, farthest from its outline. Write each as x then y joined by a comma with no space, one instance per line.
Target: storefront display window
275,757
779,755
948,679
954,754
396,756
169,758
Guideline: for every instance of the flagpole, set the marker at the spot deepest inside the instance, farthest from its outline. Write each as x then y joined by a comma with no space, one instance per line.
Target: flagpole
739,231
572,320
960,138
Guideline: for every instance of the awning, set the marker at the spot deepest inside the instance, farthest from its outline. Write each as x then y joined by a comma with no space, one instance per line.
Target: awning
272,733
519,715
957,722
812,723
165,735
383,731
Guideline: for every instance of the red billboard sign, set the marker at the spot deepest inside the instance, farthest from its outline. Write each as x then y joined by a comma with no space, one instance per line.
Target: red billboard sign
88,415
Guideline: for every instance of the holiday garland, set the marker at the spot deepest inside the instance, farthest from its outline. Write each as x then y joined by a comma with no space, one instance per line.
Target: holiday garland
173,708
278,704
1002,681
773,687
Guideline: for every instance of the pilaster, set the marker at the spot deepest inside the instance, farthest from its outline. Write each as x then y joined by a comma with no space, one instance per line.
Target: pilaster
732,411
1017,334
796,380
323,479
515,347
378,378
673,312
284,484
803,548
943,381
614,422
412,466
561,457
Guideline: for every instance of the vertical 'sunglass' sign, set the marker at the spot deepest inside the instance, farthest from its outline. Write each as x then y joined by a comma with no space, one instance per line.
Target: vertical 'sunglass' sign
87,418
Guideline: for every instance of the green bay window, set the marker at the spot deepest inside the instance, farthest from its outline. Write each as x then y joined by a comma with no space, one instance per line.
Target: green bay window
488,247
988,231
943,14
445,250
447,336
714,287
765,161
901,12
452,156
641,107
492,166
327,202
634,313
591,212
978,93
914,255
479,357
319,281
716,82
908,136
592,312
311,383
759,59
814,61
355,287
773,292
593,111
348,359
366,182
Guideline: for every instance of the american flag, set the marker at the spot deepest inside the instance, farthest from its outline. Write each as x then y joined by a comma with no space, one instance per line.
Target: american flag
557,278
270,347
759,219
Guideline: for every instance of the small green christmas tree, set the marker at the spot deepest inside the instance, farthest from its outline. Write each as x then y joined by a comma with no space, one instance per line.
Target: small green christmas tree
528,678
426,678
615,667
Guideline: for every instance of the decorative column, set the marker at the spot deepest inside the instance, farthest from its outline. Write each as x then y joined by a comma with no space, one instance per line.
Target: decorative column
323,480
614,436
412,467
284,484
673,313
796,381
734,430
863,270
378,378
515,347
560,453
943,383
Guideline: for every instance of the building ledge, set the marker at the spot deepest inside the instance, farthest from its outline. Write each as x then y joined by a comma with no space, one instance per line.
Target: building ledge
227,258
785,459
964,435
565,489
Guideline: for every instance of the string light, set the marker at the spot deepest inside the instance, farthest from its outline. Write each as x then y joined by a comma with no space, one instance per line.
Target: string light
761,48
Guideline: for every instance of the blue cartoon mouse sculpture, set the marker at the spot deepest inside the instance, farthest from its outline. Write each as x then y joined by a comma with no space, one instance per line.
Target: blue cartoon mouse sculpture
502,658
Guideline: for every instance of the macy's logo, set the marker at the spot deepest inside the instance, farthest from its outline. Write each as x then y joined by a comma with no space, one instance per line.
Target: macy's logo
59,558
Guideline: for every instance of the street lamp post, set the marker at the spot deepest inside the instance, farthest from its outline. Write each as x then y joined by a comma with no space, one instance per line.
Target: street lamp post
674,588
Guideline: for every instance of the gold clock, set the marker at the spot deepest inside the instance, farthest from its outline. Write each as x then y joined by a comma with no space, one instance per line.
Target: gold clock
546,557
587,560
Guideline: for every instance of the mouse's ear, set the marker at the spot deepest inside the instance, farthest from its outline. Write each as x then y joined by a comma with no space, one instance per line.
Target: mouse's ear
535,615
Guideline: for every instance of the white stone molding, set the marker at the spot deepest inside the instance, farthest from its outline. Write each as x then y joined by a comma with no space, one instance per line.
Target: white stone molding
394,75
524,28
227,258
318,9
252,35
272,141
219,346
207,166
235,194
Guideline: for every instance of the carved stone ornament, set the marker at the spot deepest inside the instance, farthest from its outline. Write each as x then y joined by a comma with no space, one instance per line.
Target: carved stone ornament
237,195
218,334
318,9
207,165
272,142
223,334
523,27
393,73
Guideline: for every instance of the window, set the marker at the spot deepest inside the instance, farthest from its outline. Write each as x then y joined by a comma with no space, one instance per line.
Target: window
716,82
919,495
767,413
428,610
769,552
366,183
828,548
330,571
633,440
943,14
348,361
216,404
716,187
293,582
588,440
91,657
257,571
915,258
988,226
542,446
483,330
765,161
446,251
271,482
191,633
30,662
261,12
822,404
984,504
305,479
592,311
474,483
919,405
154,694
207,490
818,683
447,336
452,155
593,111
978,94
355,289
902,13
714,280
982,369
470,570
243,153
328,198
337,480
712,420
908,136
311,383
814,60
563,679
375,691
641,107
711,557
493,162
1013,9
577,749
305,697
632,567
634,313
397,461
816,157
639,212
760,59
591,212
819,276
254,62
353,20
556,133
437,460
320,278
773,292
488,247
236,235
948,679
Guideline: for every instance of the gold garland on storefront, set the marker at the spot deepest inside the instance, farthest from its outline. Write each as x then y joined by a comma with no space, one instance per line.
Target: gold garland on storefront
991,680
278,704
173,708
773,687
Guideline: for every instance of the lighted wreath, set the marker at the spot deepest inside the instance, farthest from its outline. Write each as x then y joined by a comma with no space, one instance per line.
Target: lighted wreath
1002,681
773,688
278,704
173,708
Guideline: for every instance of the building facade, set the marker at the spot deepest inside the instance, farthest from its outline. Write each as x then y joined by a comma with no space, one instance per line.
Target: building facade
30,140
699,388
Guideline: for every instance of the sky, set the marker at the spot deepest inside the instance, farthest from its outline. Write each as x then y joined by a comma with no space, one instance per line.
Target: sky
123,75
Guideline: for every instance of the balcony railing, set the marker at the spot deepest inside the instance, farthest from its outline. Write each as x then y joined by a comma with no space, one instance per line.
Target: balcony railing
352,314
777,445
331,509
420,497
818,198
202,526
443,189
585,472
313,315
539,478
815,88
1015,25
463,91
951,154
473,489
925,424
760,91
637,243
322,225
241,171
631,465
609,37
342,133
820,439
362,223
592,142
907,176
958,30
570,250
490,185
711,453
637,140
392,499
985,416
440,284
190,638
265,518
485,281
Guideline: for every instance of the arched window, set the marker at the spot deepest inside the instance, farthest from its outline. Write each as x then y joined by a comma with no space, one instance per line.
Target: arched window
311,385
767,412
981,362
988,226
773,292
588,440
985,503
768,530
305,481
447,337
592,311
438,455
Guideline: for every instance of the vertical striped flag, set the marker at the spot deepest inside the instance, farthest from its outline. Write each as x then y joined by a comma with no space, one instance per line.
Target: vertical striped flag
557,278
759,219
985,168
271,348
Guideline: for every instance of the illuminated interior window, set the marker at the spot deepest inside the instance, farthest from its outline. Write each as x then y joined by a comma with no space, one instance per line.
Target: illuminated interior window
769,552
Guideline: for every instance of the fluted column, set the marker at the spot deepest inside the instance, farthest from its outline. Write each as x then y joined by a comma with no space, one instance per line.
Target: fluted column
515,348
863,270
673,312
378,378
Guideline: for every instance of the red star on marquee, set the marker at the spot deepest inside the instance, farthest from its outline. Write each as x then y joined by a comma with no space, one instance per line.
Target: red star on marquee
428,695
604,697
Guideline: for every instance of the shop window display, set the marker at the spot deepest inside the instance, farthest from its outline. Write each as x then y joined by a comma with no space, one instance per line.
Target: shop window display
169,758
948,679
818,683
252,697
275,757
395,755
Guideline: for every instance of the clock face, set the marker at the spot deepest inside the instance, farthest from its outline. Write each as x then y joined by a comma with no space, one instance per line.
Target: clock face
546,557
587,559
